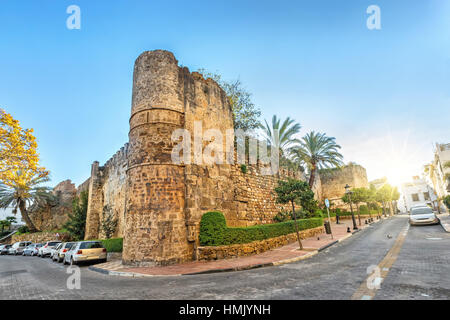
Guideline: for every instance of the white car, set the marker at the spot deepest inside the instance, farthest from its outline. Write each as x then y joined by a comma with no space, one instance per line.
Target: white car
422,216
46,249
60,251
85,251
18,247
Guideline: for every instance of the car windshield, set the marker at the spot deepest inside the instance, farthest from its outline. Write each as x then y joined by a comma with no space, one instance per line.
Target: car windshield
422,210
68,245
90,245
53,243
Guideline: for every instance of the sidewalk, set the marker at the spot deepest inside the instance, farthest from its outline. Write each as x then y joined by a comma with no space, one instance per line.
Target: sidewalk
445,221
286,254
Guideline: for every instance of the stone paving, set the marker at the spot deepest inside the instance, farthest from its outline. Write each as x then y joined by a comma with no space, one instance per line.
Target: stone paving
285,254
420,272
445,221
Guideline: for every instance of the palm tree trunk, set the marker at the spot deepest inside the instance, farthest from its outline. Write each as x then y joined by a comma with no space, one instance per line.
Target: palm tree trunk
26,217
296,226
312,177
359,216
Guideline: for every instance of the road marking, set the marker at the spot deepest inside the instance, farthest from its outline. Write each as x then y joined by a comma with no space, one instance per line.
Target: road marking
365,290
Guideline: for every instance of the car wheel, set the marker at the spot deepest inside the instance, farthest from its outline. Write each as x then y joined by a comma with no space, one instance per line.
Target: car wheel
72,263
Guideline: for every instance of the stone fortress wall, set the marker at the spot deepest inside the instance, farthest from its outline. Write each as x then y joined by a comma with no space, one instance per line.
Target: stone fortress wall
159,204
333,182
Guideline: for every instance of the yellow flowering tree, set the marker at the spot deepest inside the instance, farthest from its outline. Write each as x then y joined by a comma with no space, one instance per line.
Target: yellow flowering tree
20,173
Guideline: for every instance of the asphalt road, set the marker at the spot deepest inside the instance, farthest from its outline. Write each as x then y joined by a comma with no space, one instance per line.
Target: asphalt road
419,272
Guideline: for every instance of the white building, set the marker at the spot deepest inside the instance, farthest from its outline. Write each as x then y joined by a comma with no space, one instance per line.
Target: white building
418,192
437,173
442,172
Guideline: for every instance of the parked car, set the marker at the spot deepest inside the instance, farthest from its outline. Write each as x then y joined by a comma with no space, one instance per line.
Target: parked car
61,250
422,216
54,250
85,251
17,248
32,249
2,246
36,249
46,249
5,249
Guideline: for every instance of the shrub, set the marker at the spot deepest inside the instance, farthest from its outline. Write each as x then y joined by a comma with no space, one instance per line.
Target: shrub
23,229
363,209
214,231
76,224
109,222
286,215
243,168
113,244
283,216
447,201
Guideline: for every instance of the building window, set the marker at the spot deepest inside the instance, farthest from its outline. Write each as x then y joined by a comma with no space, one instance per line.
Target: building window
415,197
426,195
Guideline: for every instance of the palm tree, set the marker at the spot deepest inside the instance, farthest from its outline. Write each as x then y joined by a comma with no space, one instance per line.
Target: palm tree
317,151
26,194
282,136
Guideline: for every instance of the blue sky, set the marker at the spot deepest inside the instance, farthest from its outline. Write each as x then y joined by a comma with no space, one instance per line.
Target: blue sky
384,94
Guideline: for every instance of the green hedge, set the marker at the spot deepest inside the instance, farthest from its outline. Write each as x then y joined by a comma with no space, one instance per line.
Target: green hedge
214,230
113,245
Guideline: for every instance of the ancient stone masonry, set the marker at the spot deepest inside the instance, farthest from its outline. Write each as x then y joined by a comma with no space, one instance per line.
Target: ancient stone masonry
54,216
107,191
158,202
333,182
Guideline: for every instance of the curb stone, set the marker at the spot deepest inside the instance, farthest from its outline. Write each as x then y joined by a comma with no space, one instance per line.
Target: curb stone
255,266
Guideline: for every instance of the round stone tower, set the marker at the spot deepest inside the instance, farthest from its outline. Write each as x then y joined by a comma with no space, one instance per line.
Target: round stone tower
155,228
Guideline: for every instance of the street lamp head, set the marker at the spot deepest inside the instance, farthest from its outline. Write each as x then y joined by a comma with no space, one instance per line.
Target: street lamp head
347,188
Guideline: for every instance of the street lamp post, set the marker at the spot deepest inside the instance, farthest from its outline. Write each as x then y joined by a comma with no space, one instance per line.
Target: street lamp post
349,193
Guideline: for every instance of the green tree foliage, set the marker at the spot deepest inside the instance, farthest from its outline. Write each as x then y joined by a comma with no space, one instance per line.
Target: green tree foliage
294,191
384,195
109,222
245,113
447,201
317,151
26,195
281,135
76,224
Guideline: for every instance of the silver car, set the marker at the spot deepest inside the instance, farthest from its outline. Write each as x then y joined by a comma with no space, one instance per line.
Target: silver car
32,249
85,251
422,216
18,247
60,251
